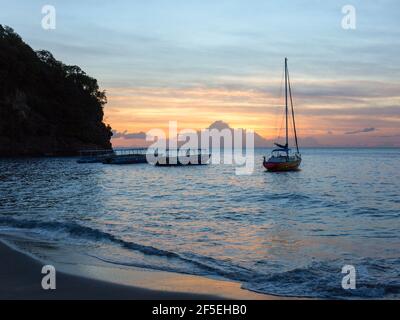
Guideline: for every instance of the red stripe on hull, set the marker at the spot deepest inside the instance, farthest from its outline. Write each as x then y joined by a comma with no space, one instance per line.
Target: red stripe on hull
282,166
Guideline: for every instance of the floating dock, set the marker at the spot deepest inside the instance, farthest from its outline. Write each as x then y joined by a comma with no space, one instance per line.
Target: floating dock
158,157
127,156
94,156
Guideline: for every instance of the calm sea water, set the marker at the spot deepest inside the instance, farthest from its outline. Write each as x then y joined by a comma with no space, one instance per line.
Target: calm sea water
278,233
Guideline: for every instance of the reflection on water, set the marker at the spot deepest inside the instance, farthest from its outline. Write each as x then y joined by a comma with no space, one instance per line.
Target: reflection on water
282,233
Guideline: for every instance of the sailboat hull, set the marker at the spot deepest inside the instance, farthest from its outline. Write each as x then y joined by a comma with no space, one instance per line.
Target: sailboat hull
282,166
281,159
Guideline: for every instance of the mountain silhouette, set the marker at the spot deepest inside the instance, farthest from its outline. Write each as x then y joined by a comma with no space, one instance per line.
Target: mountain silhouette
259,141
139,139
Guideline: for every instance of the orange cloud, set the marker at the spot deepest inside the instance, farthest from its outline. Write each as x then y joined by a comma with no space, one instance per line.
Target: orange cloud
317,112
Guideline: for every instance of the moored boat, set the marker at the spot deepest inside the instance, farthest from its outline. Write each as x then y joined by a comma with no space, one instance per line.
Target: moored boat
182,158
282,159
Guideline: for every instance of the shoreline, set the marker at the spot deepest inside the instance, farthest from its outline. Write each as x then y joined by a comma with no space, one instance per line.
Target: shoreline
21,277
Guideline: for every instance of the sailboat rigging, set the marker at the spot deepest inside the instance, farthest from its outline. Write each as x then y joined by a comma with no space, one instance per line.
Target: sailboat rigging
282,159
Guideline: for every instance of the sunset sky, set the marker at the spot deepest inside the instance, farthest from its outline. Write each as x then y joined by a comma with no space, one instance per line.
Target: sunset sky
196,62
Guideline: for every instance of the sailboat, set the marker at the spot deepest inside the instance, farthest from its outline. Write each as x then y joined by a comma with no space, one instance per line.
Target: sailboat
282,158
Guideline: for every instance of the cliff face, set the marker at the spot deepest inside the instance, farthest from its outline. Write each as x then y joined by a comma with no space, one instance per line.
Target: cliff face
46,107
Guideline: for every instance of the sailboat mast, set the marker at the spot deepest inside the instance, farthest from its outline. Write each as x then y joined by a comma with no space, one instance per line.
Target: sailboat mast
286,105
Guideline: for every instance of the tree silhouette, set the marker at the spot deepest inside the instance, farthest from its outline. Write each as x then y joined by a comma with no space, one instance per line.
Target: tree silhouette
45,105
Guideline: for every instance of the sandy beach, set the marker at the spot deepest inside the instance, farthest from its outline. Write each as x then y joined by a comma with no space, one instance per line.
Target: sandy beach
21,277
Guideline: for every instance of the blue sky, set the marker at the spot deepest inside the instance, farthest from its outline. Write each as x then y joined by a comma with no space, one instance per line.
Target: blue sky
170,48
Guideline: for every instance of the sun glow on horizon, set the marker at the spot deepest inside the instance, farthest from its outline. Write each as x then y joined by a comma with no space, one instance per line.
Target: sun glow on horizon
318,114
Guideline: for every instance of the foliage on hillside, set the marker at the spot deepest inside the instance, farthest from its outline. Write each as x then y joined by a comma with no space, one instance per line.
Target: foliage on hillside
46,107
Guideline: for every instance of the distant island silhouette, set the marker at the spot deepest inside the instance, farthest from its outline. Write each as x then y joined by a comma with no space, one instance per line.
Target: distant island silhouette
138,139
46,107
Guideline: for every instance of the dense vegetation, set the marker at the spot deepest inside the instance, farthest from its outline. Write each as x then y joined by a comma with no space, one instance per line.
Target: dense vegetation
46,107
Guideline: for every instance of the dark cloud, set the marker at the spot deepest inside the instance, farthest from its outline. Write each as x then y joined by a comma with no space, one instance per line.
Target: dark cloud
361,131
126,135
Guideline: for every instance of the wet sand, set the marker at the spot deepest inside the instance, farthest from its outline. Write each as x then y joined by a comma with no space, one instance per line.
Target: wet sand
20,278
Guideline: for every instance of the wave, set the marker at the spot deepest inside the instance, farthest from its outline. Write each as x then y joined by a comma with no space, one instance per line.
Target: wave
206,265
376,278
80,231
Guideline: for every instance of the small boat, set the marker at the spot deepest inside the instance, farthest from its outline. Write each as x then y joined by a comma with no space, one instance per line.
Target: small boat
169,158
282,158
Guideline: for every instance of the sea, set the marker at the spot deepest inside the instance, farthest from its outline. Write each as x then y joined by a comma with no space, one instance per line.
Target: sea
286,234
